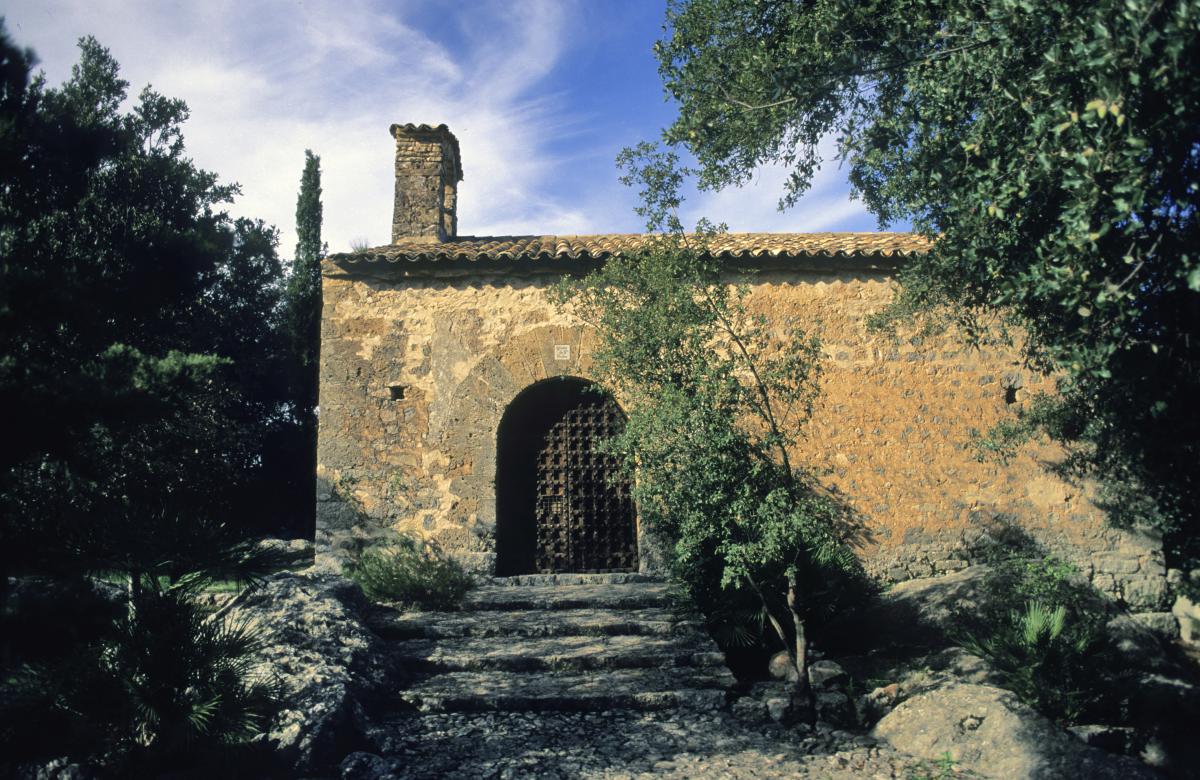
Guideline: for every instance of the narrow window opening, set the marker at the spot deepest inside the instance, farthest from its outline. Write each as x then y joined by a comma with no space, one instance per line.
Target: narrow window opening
397,392
1010,395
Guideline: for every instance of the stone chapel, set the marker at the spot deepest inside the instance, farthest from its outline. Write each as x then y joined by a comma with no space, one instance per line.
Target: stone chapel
455,402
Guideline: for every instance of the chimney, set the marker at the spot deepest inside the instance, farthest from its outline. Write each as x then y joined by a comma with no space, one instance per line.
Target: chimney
427,175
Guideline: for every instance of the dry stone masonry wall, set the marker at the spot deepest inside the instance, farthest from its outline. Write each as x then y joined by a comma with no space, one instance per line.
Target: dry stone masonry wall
417,370
427,176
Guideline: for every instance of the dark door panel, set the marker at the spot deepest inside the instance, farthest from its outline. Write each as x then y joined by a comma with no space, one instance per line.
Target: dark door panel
584,511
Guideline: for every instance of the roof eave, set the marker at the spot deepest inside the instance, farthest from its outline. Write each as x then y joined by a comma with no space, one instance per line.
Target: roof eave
460,264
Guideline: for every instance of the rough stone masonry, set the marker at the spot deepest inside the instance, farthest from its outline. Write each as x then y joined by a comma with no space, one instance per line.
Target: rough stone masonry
427,342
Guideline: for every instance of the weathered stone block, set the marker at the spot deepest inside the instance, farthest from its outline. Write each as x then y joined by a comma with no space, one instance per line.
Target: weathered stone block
1145,593
1187,613
1161,624
826,674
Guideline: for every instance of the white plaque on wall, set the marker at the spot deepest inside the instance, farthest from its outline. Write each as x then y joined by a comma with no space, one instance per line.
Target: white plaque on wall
562,351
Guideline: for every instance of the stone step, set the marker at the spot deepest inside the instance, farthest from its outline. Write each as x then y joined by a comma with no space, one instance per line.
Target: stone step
637,689
649,621
558,654
598,595
610,578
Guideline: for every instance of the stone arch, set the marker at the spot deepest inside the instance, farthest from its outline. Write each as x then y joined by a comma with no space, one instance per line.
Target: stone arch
577,516
474,387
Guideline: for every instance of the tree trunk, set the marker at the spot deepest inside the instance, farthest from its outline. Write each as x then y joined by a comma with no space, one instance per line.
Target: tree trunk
803,691
783,637
6,644
133,594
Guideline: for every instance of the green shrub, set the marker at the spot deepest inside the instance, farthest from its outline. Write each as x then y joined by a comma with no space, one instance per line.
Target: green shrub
187,681
1050,650
1042,661
715,396
167,688
412,573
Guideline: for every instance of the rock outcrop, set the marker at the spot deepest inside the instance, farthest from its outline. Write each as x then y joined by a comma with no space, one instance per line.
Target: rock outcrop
987,730
330,665
1187,613
375,693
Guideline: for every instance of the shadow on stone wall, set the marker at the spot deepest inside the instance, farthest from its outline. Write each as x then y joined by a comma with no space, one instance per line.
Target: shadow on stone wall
344,528
1125,565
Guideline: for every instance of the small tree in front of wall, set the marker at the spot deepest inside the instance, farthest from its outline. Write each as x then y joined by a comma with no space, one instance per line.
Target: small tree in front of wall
715,397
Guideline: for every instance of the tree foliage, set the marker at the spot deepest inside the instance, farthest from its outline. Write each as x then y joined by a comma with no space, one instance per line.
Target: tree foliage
304,282
140,360
716,397
302,321
138,322
1049,146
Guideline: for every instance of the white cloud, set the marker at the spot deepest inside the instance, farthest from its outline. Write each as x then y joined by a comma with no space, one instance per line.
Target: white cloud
264,81
515,49
754,207
268,79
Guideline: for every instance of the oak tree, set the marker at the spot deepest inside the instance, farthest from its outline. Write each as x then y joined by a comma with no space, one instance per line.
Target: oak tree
1051,151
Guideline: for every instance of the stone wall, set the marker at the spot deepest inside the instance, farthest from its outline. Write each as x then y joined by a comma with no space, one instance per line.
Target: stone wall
426,190
416,373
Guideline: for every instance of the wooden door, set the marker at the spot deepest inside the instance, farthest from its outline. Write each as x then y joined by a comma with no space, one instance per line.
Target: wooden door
585,515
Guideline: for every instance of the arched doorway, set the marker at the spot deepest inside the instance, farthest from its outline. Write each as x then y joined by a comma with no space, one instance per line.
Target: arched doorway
561,506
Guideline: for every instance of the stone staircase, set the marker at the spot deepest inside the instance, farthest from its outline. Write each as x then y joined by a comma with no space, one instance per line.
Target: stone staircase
567,642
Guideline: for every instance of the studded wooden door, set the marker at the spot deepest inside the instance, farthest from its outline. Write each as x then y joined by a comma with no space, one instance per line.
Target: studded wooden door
585,517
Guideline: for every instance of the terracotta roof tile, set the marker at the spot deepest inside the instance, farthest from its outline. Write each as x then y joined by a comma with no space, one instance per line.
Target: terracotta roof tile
518,249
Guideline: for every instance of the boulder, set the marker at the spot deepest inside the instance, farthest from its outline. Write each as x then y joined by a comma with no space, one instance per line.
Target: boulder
1162,624
780,708
834,708
872,706
1135,644
920,674
1114,739
1187,613
749,709
826,674
297,553
367,766
781,667
960,665
771,701
328,662
988,730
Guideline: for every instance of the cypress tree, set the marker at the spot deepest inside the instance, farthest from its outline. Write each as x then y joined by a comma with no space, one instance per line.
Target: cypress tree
304,285
304,331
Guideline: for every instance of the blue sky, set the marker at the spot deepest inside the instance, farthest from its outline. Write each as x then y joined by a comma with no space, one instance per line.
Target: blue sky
542,95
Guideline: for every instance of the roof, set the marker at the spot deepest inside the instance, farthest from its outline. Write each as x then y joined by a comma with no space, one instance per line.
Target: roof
851,250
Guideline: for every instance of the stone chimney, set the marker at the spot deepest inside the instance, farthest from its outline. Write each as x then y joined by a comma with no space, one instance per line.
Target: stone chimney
427,175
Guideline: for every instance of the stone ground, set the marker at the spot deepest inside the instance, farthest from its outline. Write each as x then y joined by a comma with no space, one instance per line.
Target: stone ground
586,676
621,744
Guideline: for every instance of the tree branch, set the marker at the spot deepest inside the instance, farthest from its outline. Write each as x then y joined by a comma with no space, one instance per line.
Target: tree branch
829,78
